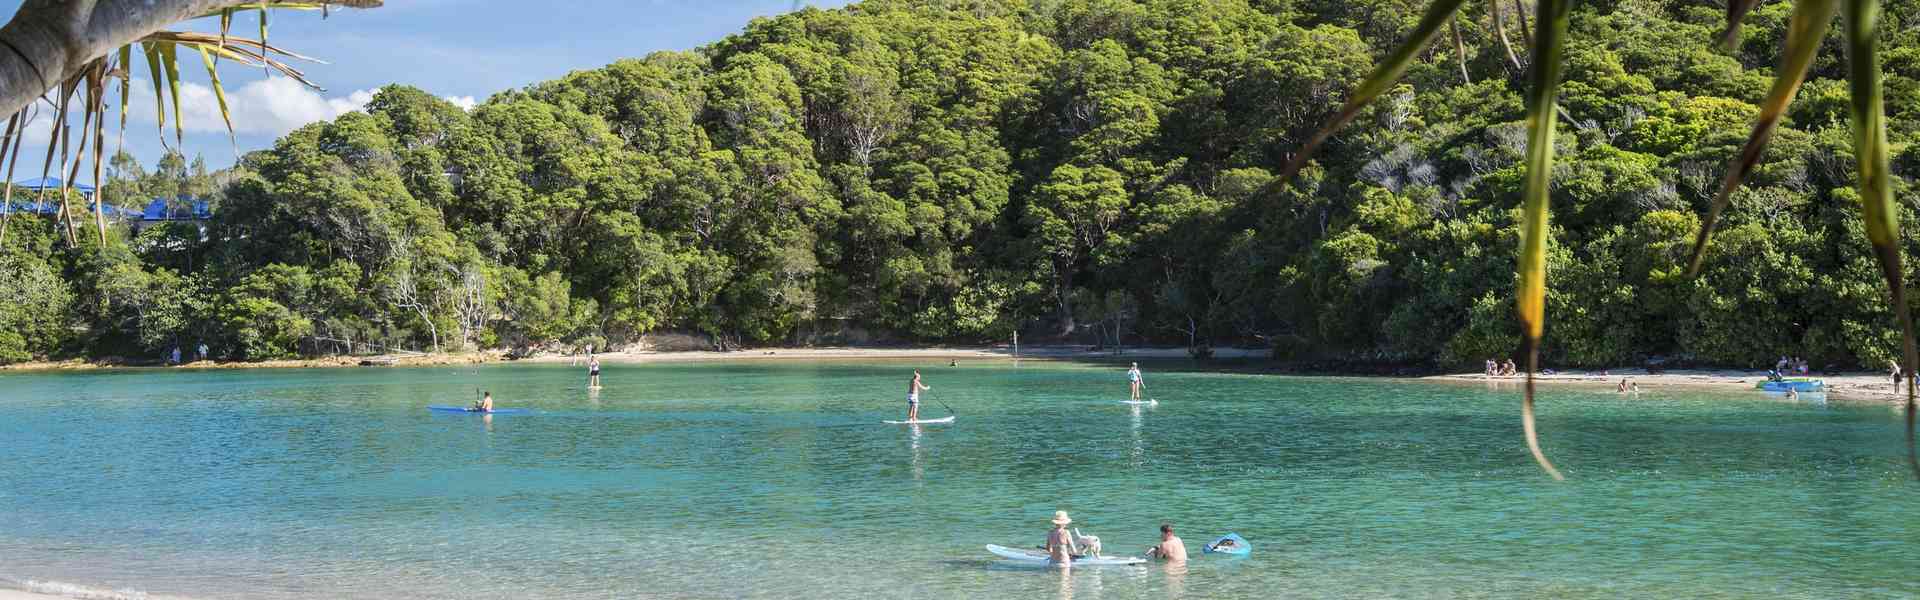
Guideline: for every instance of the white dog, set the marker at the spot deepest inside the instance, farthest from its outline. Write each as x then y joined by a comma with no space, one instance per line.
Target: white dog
1089,545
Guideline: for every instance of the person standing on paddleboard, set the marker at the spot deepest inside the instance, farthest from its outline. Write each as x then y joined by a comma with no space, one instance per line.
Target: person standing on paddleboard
1060,546
1133,378
593,373
913,396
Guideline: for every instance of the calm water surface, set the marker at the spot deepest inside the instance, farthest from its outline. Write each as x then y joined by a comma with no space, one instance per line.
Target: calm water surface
778,481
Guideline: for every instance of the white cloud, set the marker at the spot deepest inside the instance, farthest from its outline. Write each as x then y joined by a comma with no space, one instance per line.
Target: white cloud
464,102
271,106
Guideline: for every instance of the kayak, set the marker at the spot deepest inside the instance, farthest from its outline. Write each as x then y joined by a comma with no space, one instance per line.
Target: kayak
1234,546
1038,557
921,421
1798,385
463,409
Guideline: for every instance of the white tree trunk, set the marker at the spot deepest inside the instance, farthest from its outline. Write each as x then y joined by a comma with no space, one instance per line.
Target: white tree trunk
49,41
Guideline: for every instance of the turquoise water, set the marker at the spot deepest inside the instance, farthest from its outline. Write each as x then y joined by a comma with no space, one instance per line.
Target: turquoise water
778,481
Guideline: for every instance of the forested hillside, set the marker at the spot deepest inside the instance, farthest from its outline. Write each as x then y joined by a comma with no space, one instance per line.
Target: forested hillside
1085,170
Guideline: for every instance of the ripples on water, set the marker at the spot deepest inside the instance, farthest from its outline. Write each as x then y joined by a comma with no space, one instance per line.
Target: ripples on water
777,481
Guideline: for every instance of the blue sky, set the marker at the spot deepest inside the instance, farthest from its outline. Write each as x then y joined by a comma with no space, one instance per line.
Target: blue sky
461,49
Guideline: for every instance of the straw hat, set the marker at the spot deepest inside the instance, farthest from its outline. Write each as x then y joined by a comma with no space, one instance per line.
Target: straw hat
1060,517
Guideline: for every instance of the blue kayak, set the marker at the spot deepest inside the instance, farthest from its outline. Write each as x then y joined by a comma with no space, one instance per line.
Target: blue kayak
1231,544
465,410
1801,384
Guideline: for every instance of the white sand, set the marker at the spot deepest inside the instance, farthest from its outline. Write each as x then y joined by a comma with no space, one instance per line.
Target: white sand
1864,386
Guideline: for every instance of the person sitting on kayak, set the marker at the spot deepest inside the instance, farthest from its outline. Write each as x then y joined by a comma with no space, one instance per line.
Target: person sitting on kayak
1170,548
1060,546
913,396
485,404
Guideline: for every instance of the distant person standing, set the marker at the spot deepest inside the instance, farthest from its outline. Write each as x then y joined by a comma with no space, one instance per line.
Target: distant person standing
176,355
203,350
1134,381
913,396
593,373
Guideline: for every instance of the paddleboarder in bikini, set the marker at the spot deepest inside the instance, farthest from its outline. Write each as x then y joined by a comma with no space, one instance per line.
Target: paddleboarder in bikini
1133,377
913,396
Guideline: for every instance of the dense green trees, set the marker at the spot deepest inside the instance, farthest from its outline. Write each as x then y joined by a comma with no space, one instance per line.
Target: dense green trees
1098,171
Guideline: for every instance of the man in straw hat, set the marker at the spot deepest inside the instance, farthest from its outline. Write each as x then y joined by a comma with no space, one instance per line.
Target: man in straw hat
1060,546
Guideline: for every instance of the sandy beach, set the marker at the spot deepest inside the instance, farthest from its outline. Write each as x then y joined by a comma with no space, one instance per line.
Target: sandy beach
1849,385
1853,386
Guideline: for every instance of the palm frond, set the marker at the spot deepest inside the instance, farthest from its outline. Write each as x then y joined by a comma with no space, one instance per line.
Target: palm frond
1881,215
1736,11
1542,90
1811,19
1379,81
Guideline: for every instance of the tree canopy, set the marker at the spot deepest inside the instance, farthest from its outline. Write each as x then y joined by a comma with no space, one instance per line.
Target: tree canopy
1099,171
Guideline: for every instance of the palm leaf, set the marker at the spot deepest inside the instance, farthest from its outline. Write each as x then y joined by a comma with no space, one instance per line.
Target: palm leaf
1877,209
1379,81
158,75
8,147
1809,24
170,59
1542,90
97,107
1736,10
126,79
219,92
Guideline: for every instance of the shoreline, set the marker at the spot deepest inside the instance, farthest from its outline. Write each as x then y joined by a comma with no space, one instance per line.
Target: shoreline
1844,385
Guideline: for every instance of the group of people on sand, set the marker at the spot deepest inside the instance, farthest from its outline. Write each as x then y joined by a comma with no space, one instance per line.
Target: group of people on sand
1791,366
1062,547
1502,369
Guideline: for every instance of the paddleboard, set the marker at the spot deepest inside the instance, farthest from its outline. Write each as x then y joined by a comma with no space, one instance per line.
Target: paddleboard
1238,546
463,409
1038,557
921,421
1139,401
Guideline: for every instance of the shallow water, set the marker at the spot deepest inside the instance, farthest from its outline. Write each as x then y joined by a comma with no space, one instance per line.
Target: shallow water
778,481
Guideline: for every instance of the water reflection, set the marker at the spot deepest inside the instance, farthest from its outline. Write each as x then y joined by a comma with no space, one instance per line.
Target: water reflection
913,437
1139,453
1176,578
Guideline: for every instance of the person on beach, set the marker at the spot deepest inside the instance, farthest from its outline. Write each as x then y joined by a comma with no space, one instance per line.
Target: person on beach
1170,548
1133,379
913,396
1896,376
1493,367
1060,547
1509,369
1623,386
484,404
593,373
